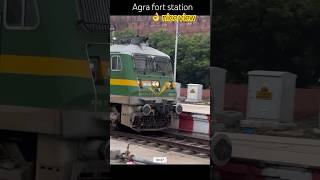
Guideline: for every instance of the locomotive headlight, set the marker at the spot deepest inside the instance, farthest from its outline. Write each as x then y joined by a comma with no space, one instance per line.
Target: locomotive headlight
140,83
173,85
168,85
155,84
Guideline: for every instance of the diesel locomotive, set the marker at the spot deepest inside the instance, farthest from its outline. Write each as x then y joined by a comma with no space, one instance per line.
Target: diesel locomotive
143,93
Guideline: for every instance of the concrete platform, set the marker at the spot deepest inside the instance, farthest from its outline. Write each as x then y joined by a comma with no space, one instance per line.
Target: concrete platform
229,118
218,126
148,153
199,109
299,152
265,124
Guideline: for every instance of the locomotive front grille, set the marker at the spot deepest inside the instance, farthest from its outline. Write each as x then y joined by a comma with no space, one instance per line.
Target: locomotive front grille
150,122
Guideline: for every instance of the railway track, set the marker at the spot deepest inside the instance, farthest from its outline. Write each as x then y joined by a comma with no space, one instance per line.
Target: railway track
166,141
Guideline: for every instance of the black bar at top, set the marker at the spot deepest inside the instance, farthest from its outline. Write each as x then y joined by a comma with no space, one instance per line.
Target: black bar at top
124,7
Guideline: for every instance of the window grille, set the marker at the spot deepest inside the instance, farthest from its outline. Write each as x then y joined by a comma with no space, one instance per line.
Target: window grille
21,14
94,15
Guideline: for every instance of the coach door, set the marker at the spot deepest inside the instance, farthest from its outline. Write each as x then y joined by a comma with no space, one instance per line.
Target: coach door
99,68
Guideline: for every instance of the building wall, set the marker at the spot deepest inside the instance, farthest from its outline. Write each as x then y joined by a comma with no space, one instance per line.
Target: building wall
144,24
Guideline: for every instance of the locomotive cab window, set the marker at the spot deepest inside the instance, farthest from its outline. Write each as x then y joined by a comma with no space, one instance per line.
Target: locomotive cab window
156,64
21,14
116,64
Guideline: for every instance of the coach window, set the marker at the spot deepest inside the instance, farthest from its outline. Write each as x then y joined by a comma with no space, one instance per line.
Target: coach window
116,63
21,14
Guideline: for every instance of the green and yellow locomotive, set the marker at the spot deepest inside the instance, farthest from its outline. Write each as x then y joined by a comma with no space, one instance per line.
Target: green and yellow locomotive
54,88
143,94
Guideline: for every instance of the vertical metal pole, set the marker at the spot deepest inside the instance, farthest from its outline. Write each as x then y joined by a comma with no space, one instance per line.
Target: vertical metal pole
176,52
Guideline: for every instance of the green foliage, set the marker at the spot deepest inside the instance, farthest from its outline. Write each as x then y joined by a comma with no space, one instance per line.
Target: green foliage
192,58
163,41
282,35
126,33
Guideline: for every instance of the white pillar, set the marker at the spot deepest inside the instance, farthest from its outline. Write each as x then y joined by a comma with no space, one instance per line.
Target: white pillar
178,89
176,53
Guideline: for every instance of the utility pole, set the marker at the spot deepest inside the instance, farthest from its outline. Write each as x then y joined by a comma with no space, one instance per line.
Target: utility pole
112,30
175,52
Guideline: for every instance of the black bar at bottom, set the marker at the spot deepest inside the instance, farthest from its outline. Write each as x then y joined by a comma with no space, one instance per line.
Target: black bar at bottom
160,172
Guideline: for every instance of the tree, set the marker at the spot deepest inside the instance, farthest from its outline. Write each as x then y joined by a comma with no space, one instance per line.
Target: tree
192,58
281,35
126,33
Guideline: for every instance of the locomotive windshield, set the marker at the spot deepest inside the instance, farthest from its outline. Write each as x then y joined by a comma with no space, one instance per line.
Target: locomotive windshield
149,63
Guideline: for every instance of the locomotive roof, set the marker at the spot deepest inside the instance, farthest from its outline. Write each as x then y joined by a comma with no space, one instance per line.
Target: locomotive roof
131,49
